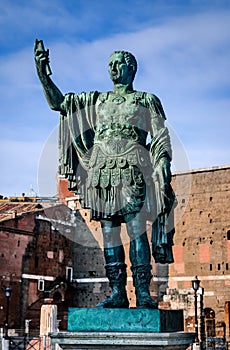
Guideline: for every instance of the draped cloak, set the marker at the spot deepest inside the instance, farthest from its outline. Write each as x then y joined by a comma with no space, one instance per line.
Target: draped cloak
78,125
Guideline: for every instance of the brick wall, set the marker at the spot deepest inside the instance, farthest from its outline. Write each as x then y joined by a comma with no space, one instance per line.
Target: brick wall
32,249
13,246
63,191
203,235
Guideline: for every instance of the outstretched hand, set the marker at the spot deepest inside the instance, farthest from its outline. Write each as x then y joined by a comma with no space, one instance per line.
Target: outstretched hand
41,58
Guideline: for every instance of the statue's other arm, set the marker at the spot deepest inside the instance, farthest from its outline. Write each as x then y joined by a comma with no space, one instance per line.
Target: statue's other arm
53,95
160,148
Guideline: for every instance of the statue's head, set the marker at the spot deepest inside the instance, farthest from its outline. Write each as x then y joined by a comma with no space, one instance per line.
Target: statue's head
122,67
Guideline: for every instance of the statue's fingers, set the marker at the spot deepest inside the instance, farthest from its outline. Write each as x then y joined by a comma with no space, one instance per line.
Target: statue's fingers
35,44
40,57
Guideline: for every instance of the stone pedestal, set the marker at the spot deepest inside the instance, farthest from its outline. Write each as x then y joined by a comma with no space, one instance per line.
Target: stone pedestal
124,320
122,340
117,329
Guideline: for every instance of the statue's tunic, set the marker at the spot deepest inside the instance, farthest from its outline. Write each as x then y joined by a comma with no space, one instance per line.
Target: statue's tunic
104,151
119,167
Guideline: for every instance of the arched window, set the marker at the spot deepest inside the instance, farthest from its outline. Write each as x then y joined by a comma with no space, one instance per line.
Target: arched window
57,297
209,315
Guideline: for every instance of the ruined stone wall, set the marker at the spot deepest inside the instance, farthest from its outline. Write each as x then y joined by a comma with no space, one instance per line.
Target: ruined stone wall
12,248
31,250
202,239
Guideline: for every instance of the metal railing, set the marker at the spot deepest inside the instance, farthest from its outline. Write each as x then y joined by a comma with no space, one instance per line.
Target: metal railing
24,343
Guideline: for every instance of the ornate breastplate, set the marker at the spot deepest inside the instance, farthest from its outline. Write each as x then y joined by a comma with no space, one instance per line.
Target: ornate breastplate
121,122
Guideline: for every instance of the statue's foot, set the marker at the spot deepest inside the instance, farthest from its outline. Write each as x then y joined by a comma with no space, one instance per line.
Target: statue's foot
115,301
146,303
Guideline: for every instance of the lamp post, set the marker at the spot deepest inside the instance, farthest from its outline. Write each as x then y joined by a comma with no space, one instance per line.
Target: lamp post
202,317
7,294
195,286
27,330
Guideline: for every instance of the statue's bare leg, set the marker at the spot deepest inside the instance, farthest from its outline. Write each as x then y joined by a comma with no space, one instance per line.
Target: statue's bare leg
140,259
115,265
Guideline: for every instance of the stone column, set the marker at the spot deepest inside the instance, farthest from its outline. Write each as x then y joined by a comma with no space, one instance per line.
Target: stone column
227,318
48,323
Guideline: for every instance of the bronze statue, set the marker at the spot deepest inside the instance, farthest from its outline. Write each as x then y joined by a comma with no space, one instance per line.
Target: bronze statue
122,178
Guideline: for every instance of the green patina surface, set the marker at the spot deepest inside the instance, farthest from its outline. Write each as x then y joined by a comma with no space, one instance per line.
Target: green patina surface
124,320
115,151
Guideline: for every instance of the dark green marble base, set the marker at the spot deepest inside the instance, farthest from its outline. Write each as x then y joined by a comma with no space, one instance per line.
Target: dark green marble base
124,320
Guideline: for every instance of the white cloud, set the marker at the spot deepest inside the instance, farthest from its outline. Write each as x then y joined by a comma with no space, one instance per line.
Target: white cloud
184,61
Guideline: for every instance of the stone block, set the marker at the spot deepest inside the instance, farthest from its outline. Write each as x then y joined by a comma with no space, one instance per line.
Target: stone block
124,320
122,340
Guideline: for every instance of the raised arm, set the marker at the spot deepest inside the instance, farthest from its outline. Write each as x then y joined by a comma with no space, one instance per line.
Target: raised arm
53,95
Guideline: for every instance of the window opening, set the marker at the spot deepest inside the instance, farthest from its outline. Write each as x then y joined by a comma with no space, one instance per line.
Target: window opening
69,274
41,285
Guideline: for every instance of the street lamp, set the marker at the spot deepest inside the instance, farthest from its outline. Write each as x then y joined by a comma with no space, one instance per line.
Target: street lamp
195,286
202,323
7,294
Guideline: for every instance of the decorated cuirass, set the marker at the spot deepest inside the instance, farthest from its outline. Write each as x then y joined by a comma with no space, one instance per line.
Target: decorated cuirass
120,140
121,122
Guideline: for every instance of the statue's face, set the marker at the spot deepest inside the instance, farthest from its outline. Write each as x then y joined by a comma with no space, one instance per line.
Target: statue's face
119,71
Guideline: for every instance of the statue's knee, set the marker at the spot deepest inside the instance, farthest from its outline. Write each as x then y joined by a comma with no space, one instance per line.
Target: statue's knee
111,234
135,229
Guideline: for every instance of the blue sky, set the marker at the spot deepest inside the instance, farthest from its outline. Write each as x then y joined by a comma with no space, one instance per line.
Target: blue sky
183,53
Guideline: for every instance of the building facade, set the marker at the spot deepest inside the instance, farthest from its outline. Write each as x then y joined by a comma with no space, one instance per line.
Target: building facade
55,248
202,239
36,262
